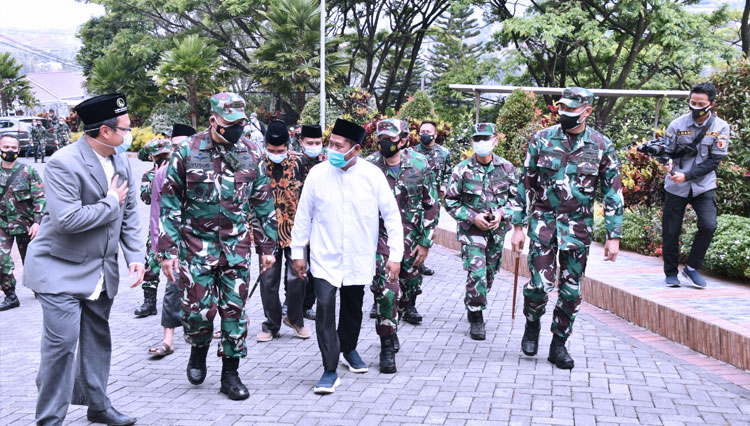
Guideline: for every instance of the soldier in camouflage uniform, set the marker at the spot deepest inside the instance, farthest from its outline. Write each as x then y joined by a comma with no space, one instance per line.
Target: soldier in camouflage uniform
216,186
153,264
38,140
481,197
22,201
563,165
62,133
412,184
294,143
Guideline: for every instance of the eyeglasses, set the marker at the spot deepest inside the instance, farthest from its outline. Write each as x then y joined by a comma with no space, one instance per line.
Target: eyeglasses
127,129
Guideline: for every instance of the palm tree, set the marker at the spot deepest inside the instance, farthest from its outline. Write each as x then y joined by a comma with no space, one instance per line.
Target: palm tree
13,85
117,72
191,68
289,61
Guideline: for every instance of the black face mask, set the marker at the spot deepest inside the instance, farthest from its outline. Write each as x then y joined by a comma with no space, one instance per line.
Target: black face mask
426,138
567,122
231,133
9,156
388,148
699,112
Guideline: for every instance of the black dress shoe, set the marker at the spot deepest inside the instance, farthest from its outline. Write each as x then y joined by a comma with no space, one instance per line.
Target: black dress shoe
374,310
427,271
110,416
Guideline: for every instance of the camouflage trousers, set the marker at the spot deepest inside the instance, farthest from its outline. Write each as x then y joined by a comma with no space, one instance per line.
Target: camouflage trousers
543,276
153,269
481,263
206,288
7,279
393,298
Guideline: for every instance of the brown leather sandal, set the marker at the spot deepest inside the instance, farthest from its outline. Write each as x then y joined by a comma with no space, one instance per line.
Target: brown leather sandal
160,350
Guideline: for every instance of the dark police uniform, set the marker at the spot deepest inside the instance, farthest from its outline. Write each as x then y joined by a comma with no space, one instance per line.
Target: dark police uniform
699,167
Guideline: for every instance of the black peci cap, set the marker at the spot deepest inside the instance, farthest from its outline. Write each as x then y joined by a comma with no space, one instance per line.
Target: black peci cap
349,130
277,133
102,108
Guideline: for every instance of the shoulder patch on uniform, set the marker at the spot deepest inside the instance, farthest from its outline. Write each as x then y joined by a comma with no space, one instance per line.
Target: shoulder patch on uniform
721,143
684,132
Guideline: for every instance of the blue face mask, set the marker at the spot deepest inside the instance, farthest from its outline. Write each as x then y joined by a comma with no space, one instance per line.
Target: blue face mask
276,158
338,159
127,140
313,151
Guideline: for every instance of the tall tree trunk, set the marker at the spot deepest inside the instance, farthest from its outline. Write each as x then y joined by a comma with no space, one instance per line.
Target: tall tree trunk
745,29
192,95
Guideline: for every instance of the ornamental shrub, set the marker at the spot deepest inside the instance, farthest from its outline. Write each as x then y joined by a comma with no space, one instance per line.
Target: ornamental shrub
518,120
419,107
729,252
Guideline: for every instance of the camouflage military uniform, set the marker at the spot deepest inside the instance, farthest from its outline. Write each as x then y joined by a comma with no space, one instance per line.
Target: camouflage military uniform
438,161
560,175
474,189
22,205
62,134
153,264
416,197
39,141
211,193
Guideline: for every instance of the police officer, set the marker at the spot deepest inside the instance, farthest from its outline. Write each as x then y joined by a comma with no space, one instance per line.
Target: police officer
410,179
696,141
563,165
22,205
481,196
215,186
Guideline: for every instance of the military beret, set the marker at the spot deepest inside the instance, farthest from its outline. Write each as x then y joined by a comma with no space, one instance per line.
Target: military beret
102,108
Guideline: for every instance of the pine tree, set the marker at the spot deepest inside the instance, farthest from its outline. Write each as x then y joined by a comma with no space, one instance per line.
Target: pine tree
452,44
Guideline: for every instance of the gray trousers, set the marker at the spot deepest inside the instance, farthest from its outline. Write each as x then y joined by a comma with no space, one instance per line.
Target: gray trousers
270,282
171,306
331,340
64,378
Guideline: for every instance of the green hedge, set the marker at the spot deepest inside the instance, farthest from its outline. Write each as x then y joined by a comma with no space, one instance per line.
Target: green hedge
728,255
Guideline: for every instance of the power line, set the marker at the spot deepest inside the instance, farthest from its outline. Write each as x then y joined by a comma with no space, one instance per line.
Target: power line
37,52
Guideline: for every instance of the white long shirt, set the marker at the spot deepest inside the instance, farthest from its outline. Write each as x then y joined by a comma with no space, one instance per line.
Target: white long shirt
338,215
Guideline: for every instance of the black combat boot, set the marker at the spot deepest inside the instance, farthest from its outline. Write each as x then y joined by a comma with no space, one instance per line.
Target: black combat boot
427,272
11,300
396,343
558,355
411,315
530,340
149,303
387,355
196,368
476,320
230,380
374,310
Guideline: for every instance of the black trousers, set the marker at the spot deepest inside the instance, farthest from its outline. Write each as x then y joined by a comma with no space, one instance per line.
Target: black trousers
332,341
269,293
171,307
309,300
674,211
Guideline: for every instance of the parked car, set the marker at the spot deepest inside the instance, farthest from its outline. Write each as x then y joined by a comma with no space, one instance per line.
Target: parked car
20,128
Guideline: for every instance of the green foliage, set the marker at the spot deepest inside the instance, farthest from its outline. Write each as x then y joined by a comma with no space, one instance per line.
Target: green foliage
729,253
517,122
419,107
13,84
733,105
165,115
288,61
123,73
732,188
642,179
141,136
192,68
458,142
358,105
311,112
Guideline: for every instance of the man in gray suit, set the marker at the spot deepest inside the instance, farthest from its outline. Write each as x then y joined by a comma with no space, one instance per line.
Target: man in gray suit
72,263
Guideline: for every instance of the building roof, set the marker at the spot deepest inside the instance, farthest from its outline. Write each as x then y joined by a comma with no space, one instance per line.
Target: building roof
51,87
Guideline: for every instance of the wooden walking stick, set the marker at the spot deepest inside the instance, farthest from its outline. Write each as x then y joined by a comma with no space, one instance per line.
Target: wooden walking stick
515,287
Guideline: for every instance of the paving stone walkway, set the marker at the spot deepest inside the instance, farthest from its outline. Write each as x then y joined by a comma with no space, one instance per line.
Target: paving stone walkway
623,375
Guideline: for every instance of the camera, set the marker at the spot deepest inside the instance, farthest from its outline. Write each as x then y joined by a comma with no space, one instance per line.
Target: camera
655,148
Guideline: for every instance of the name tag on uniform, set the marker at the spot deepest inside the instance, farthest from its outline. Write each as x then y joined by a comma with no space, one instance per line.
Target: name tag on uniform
199,164
684,132
714,134
246,161
590,154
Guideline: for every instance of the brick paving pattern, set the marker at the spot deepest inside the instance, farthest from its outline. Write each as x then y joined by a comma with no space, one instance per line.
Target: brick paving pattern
624,374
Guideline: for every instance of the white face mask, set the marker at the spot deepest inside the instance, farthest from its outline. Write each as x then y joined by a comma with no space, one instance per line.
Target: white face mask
127,140
313,151
483,148
276,158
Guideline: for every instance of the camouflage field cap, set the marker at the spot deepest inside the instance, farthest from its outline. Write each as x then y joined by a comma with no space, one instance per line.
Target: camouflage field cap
483,129
391,127
159,146
230,106
573,97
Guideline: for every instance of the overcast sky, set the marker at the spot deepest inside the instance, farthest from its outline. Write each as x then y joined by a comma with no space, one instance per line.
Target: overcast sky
70,14
50,14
